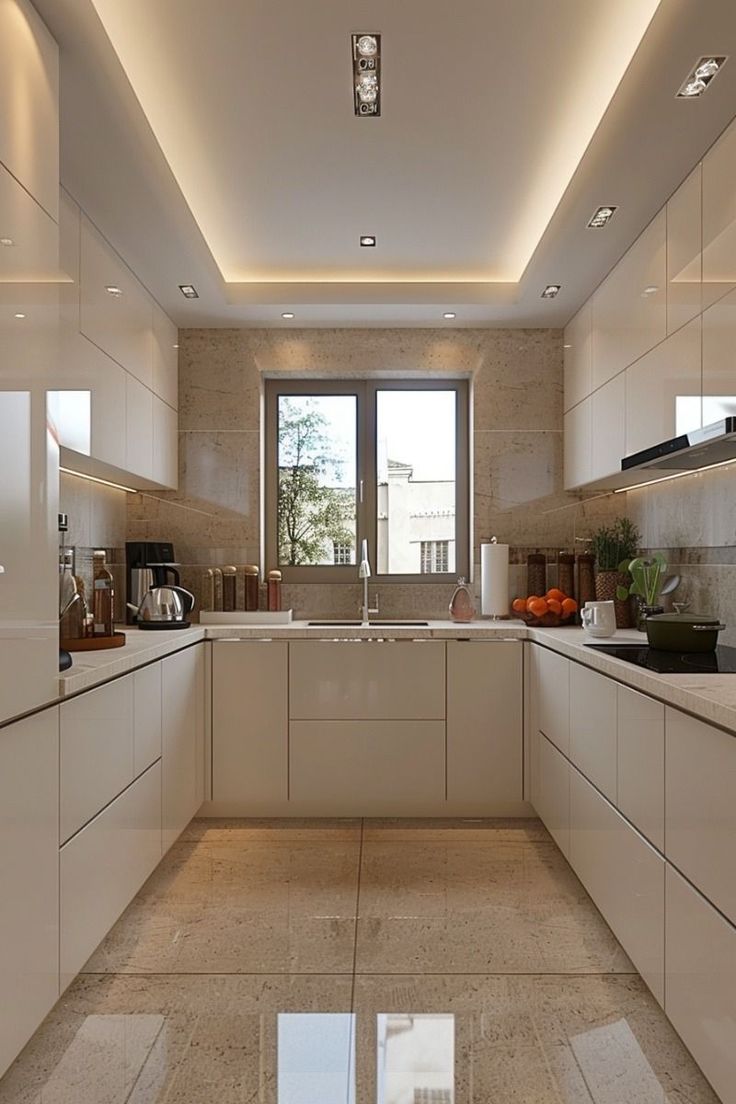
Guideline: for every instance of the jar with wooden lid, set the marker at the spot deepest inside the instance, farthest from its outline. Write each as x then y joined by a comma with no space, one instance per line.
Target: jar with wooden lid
273,589
536,574
566,573
252,587
229,580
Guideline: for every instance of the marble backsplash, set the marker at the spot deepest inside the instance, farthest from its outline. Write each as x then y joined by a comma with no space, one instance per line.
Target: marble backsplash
97,519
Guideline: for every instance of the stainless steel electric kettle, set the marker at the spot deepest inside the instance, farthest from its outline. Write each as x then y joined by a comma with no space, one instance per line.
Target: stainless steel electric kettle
164,607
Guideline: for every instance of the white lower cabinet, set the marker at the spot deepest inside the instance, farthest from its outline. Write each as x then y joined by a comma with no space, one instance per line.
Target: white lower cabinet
146,717
250,723
551,790
182,739
550,697
593,727
29,877
103,867
640,743
484,725
700,982
623,874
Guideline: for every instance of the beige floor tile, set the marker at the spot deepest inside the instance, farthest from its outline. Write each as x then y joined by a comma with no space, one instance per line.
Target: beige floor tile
473,830
524,1040
242,907
234,829
478,908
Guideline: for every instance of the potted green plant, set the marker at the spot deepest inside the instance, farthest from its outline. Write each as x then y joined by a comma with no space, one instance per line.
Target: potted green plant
646,580
615,546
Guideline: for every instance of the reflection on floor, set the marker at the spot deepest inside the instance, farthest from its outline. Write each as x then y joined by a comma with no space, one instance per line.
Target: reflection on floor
351,962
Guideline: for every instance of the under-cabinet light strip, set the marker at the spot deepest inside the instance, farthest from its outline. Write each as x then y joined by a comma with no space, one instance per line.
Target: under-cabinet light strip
676,475
96,479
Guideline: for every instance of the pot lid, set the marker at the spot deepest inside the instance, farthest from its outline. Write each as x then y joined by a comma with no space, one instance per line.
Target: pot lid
684,619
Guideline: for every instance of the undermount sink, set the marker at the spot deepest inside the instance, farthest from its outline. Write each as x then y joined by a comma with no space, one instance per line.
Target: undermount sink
371,624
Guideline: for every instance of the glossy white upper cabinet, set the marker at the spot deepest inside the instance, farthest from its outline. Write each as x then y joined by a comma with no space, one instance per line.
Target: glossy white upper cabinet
120,322
138,428
630,306
578,440
684,252
578,356
608,428
29,94
719,218
165,358
165,469
719,375
663,390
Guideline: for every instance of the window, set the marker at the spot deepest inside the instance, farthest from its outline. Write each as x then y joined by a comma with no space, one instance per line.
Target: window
384,461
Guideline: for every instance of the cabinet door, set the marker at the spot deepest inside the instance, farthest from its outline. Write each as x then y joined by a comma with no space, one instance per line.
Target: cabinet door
684,252
663,390
700,971
608,428
578,356
551,696
146,717
138,428
250,723
96,751
700,816
719,385
484,724
630,306
182,739
29,859
623,875
551,790
593,727
165,358
165,444
578,444
719,218
640,730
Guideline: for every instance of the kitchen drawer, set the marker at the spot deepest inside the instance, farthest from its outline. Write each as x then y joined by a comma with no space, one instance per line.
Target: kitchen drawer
96,751
367,680
623,874
146,717
551,790
360,767
593,727
700,818
700,972
641,763
551,696
104,866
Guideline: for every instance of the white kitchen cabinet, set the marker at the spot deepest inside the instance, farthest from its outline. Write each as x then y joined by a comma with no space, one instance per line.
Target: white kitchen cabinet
29,857
640,730
165,468
364,768
630,306
578,430
577,346
719,218
623,874
719,336
182,739
551,790
684,252
165,358
29,92
119,324
593,727
104,866
663,390
138,428
96,751
551,696
608,428
700,815
484,725
146,717
367,680
250,723
700,983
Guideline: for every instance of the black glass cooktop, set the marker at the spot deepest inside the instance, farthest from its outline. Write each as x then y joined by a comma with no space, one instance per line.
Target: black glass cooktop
719,662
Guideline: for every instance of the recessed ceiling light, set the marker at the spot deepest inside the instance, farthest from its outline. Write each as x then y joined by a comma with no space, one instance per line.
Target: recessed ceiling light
449,314
111,289
6,241
366,75
189,291
367,240
602,217
700,76
287,314
551,290
19,315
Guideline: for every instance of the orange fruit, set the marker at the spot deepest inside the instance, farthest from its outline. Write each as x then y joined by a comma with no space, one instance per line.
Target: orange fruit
519,605
538,607
530,599
554,606
569,606
557,594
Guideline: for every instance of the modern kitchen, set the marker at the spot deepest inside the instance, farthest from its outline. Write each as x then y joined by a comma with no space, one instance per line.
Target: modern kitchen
367,552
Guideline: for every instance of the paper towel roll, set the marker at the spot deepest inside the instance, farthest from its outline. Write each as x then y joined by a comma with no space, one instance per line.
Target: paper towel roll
494,579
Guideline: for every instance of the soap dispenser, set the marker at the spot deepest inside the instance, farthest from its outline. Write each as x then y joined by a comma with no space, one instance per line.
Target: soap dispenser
462,607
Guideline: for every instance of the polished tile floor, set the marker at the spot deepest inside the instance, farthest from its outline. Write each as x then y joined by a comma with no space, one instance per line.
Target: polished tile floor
349,962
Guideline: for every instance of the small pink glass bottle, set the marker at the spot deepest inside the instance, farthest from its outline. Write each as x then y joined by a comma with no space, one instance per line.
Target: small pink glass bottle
462,607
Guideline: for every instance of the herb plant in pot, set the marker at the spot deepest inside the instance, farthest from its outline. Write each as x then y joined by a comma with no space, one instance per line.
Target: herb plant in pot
615,546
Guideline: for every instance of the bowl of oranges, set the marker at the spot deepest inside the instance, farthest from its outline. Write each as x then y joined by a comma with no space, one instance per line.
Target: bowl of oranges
555,608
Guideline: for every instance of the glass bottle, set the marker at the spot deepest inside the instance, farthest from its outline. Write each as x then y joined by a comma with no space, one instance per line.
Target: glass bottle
229,578
251,586
536,574
462,606
566,573
273,601
103,596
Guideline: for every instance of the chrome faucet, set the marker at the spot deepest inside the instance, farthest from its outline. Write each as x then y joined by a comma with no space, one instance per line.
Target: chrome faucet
364,573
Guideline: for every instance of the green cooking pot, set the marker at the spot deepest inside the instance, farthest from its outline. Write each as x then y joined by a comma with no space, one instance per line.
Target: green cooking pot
682,632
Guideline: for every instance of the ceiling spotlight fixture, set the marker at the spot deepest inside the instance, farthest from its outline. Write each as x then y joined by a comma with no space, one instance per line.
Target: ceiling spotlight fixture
19,315
111,289
6,241
367,75
368,240
551,290
287,314
602,217
700,76
449,315
189,291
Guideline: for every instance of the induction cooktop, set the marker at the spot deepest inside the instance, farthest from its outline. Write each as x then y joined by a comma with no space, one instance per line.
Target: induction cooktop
721,661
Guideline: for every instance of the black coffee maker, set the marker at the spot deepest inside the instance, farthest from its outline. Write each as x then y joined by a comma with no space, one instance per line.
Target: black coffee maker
147,564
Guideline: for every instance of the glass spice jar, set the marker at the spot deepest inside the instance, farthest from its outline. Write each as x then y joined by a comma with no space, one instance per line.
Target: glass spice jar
252,587
273,591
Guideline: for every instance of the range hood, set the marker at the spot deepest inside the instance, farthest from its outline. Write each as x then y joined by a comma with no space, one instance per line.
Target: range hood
713,444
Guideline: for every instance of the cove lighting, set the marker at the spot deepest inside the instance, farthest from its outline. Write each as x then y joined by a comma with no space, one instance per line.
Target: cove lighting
551,291
95,479
366,75
602,217
189,291
700,76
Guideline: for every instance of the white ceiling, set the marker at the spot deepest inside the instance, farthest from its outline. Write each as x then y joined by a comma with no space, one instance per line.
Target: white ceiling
216,144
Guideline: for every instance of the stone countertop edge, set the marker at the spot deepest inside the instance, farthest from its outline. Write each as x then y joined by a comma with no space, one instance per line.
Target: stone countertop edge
711,698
